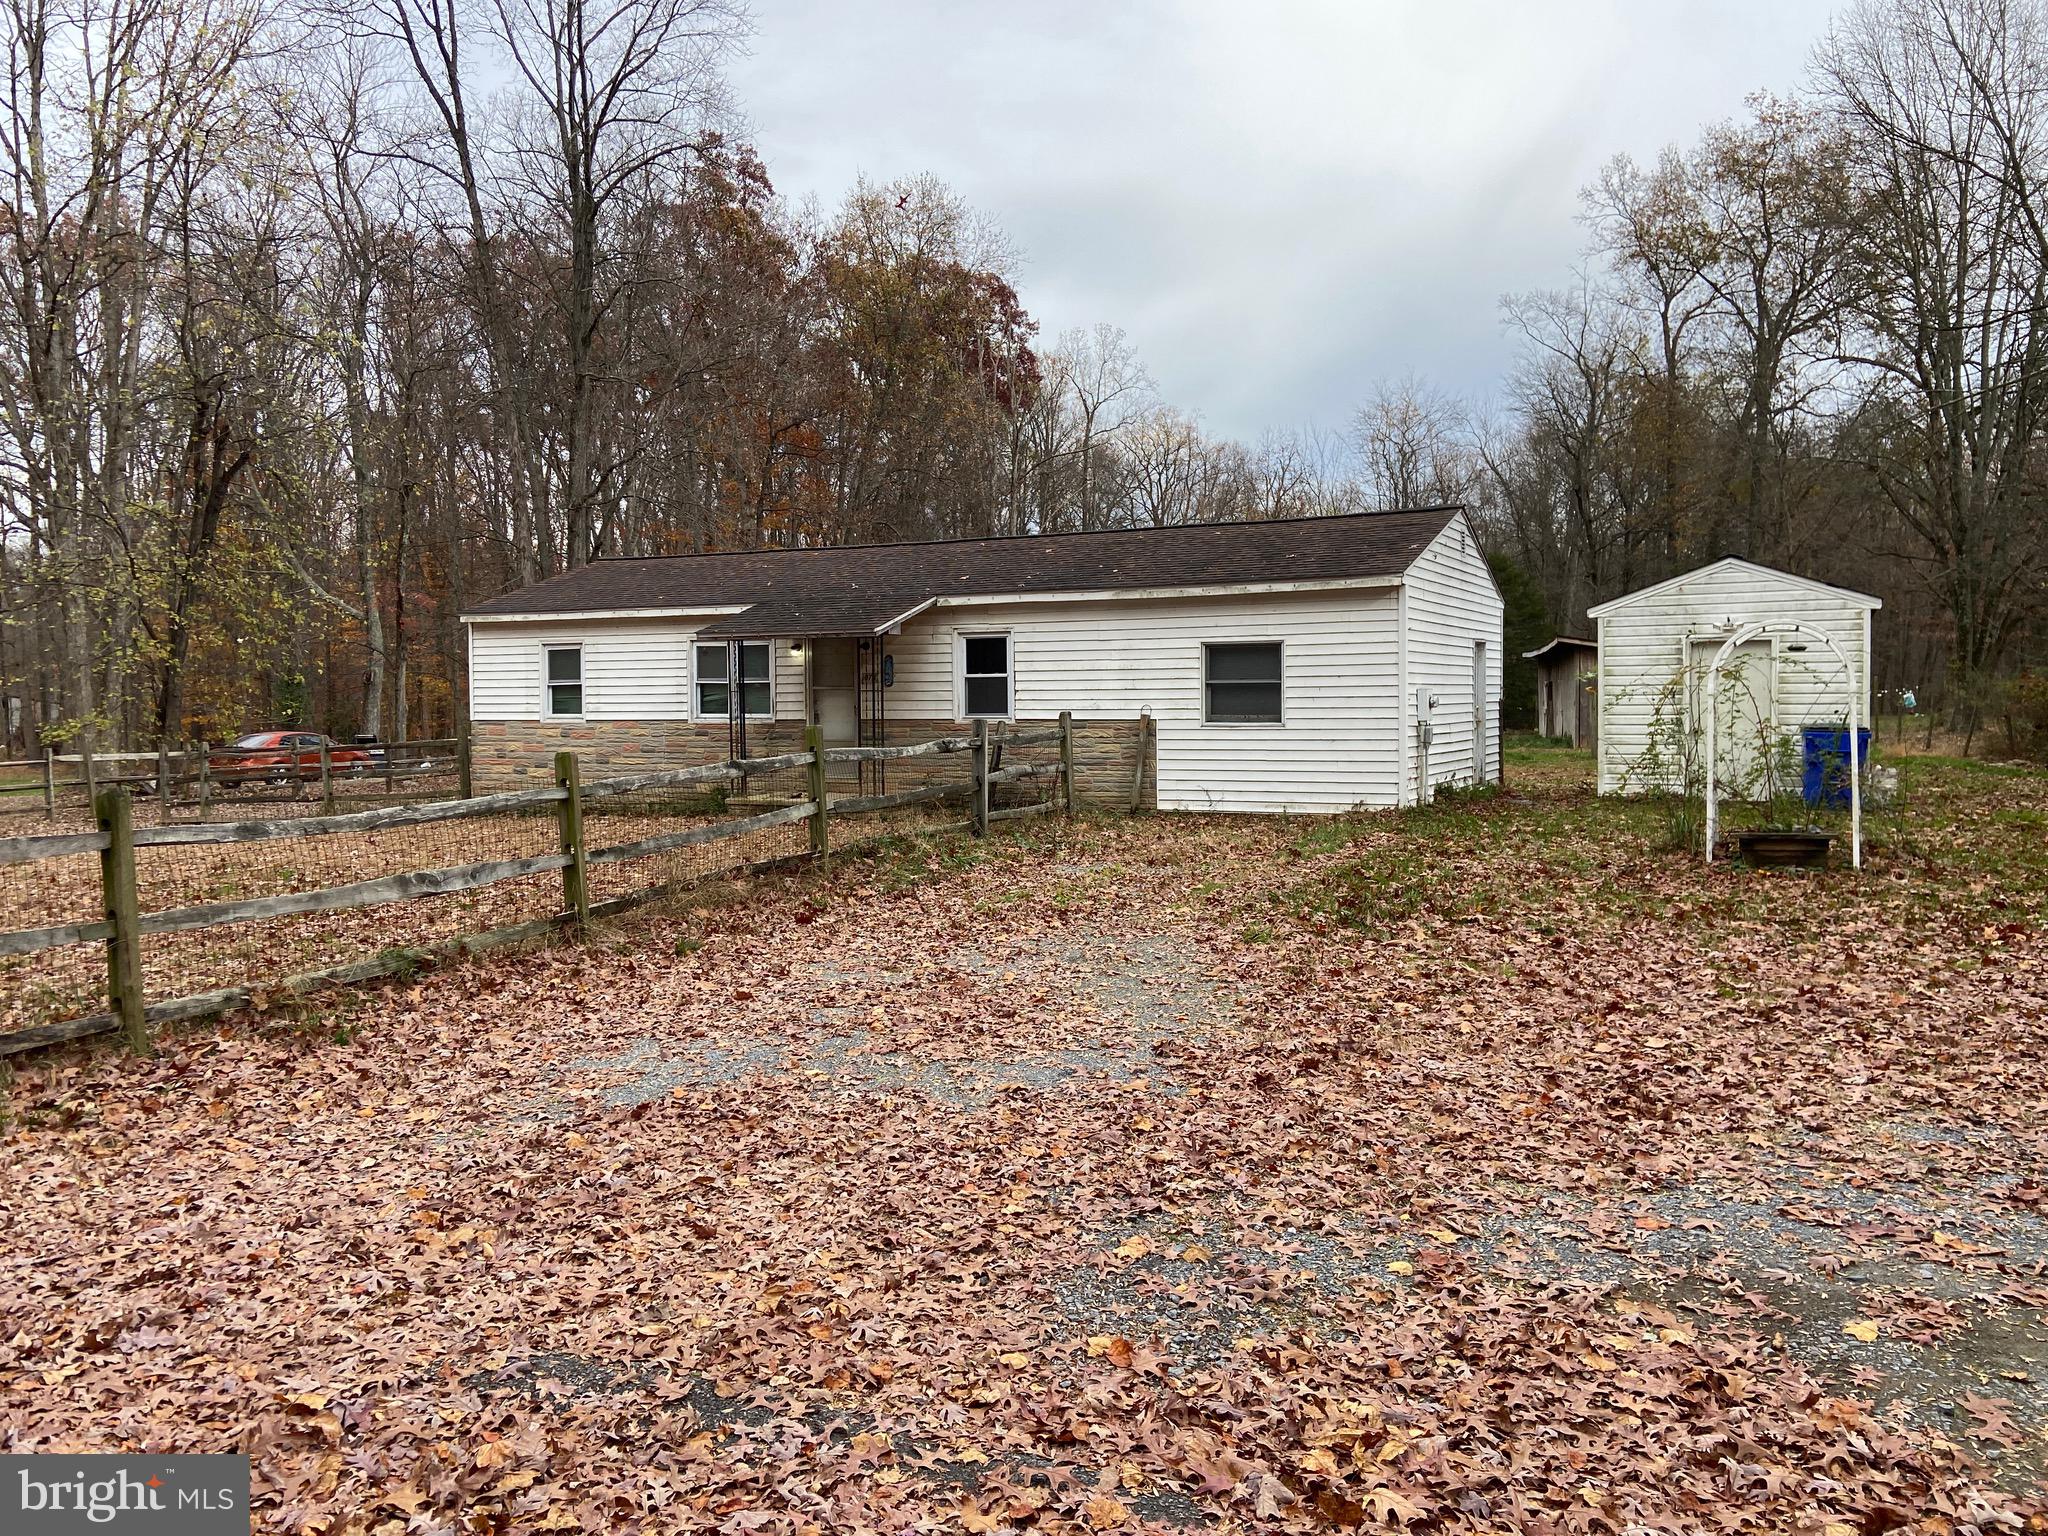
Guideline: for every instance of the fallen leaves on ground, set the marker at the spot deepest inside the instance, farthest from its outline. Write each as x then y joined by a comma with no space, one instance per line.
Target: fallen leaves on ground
1470,1170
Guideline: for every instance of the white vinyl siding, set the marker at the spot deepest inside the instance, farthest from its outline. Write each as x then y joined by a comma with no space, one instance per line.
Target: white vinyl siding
792,681
633,669
1349,665
1644,642
1115,660
1452,605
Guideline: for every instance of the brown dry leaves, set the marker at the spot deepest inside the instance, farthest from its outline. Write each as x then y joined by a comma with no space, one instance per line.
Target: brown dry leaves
939,1220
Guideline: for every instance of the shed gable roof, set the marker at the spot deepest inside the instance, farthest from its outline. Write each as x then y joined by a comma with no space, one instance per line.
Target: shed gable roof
865,588
1732,562
1565,642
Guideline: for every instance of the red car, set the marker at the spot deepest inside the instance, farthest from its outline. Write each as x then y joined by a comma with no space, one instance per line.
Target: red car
278,757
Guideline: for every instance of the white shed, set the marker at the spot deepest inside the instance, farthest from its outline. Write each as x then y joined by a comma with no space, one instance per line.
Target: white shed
1657,644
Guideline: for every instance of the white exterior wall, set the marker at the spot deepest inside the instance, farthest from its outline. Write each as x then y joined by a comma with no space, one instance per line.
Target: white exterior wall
1334,748
1643,645
633,669
1351,659
1452,605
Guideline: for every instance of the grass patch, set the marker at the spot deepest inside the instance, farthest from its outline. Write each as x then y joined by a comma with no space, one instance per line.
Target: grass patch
1961,845
903,860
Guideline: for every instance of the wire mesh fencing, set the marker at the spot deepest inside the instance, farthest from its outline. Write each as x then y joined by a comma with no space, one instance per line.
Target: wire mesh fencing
270,774
60,980
646,835
137,920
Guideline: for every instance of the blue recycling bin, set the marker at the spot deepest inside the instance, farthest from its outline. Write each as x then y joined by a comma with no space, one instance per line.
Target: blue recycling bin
1824,779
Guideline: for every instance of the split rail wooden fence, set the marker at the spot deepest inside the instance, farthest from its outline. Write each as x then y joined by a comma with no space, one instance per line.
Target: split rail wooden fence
122,926
194,780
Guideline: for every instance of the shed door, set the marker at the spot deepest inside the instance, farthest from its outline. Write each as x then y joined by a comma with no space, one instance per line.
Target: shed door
1744,695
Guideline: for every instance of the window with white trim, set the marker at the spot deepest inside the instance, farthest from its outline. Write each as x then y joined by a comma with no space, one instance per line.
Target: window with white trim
714,680
985,677
1241,684
562,696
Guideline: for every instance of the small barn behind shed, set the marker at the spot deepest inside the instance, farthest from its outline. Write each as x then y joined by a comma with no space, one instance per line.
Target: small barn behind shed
1657,646
1567,701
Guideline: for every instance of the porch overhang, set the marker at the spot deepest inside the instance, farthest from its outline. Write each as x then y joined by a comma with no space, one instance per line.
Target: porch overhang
849,616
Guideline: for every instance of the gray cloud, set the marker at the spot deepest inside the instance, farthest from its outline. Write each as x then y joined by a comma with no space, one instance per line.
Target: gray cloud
1279,203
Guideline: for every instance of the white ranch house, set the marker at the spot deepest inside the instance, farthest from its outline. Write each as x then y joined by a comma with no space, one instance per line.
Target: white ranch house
1285,666
1657,644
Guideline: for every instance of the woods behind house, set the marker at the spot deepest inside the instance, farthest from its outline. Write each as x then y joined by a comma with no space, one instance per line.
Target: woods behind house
320,324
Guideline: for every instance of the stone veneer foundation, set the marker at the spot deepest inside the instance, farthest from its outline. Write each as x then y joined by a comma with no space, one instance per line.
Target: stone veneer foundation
517,754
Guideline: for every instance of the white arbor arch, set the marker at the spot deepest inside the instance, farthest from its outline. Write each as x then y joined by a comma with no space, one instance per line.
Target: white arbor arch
1784,627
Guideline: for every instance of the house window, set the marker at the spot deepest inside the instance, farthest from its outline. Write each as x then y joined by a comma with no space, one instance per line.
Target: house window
1241,684
565,681
714,680
985,677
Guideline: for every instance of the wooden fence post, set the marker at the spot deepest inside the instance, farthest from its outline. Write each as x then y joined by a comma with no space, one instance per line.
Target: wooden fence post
205,778
92,780
814,743
463,788
1138,778
326,780
980,761
575,874
50,782
1067,758
163,783
115,814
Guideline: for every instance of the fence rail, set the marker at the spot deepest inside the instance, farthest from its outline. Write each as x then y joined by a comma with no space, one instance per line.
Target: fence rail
123,925
190,781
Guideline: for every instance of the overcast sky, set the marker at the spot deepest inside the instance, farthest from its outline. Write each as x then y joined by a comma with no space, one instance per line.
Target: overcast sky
1279,202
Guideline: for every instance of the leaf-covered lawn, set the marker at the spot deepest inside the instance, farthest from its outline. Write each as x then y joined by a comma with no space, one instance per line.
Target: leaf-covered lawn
1478,1169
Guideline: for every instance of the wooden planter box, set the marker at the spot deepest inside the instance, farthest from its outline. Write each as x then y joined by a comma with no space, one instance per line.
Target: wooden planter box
1785,848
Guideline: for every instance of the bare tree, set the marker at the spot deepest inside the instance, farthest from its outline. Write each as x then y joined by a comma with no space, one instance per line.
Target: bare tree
1773,196
1110,390
114,108
1411,446
336,114
622,89
1946,161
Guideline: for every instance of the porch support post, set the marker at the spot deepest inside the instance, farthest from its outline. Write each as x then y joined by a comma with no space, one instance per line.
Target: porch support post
736,698
1067,759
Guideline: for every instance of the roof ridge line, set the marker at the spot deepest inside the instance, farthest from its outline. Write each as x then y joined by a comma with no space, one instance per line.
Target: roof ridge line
1061,533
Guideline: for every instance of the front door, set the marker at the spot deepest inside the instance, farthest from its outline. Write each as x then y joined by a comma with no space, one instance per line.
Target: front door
835,700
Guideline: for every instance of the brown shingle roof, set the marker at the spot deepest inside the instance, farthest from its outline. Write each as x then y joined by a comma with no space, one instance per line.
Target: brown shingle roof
862,588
